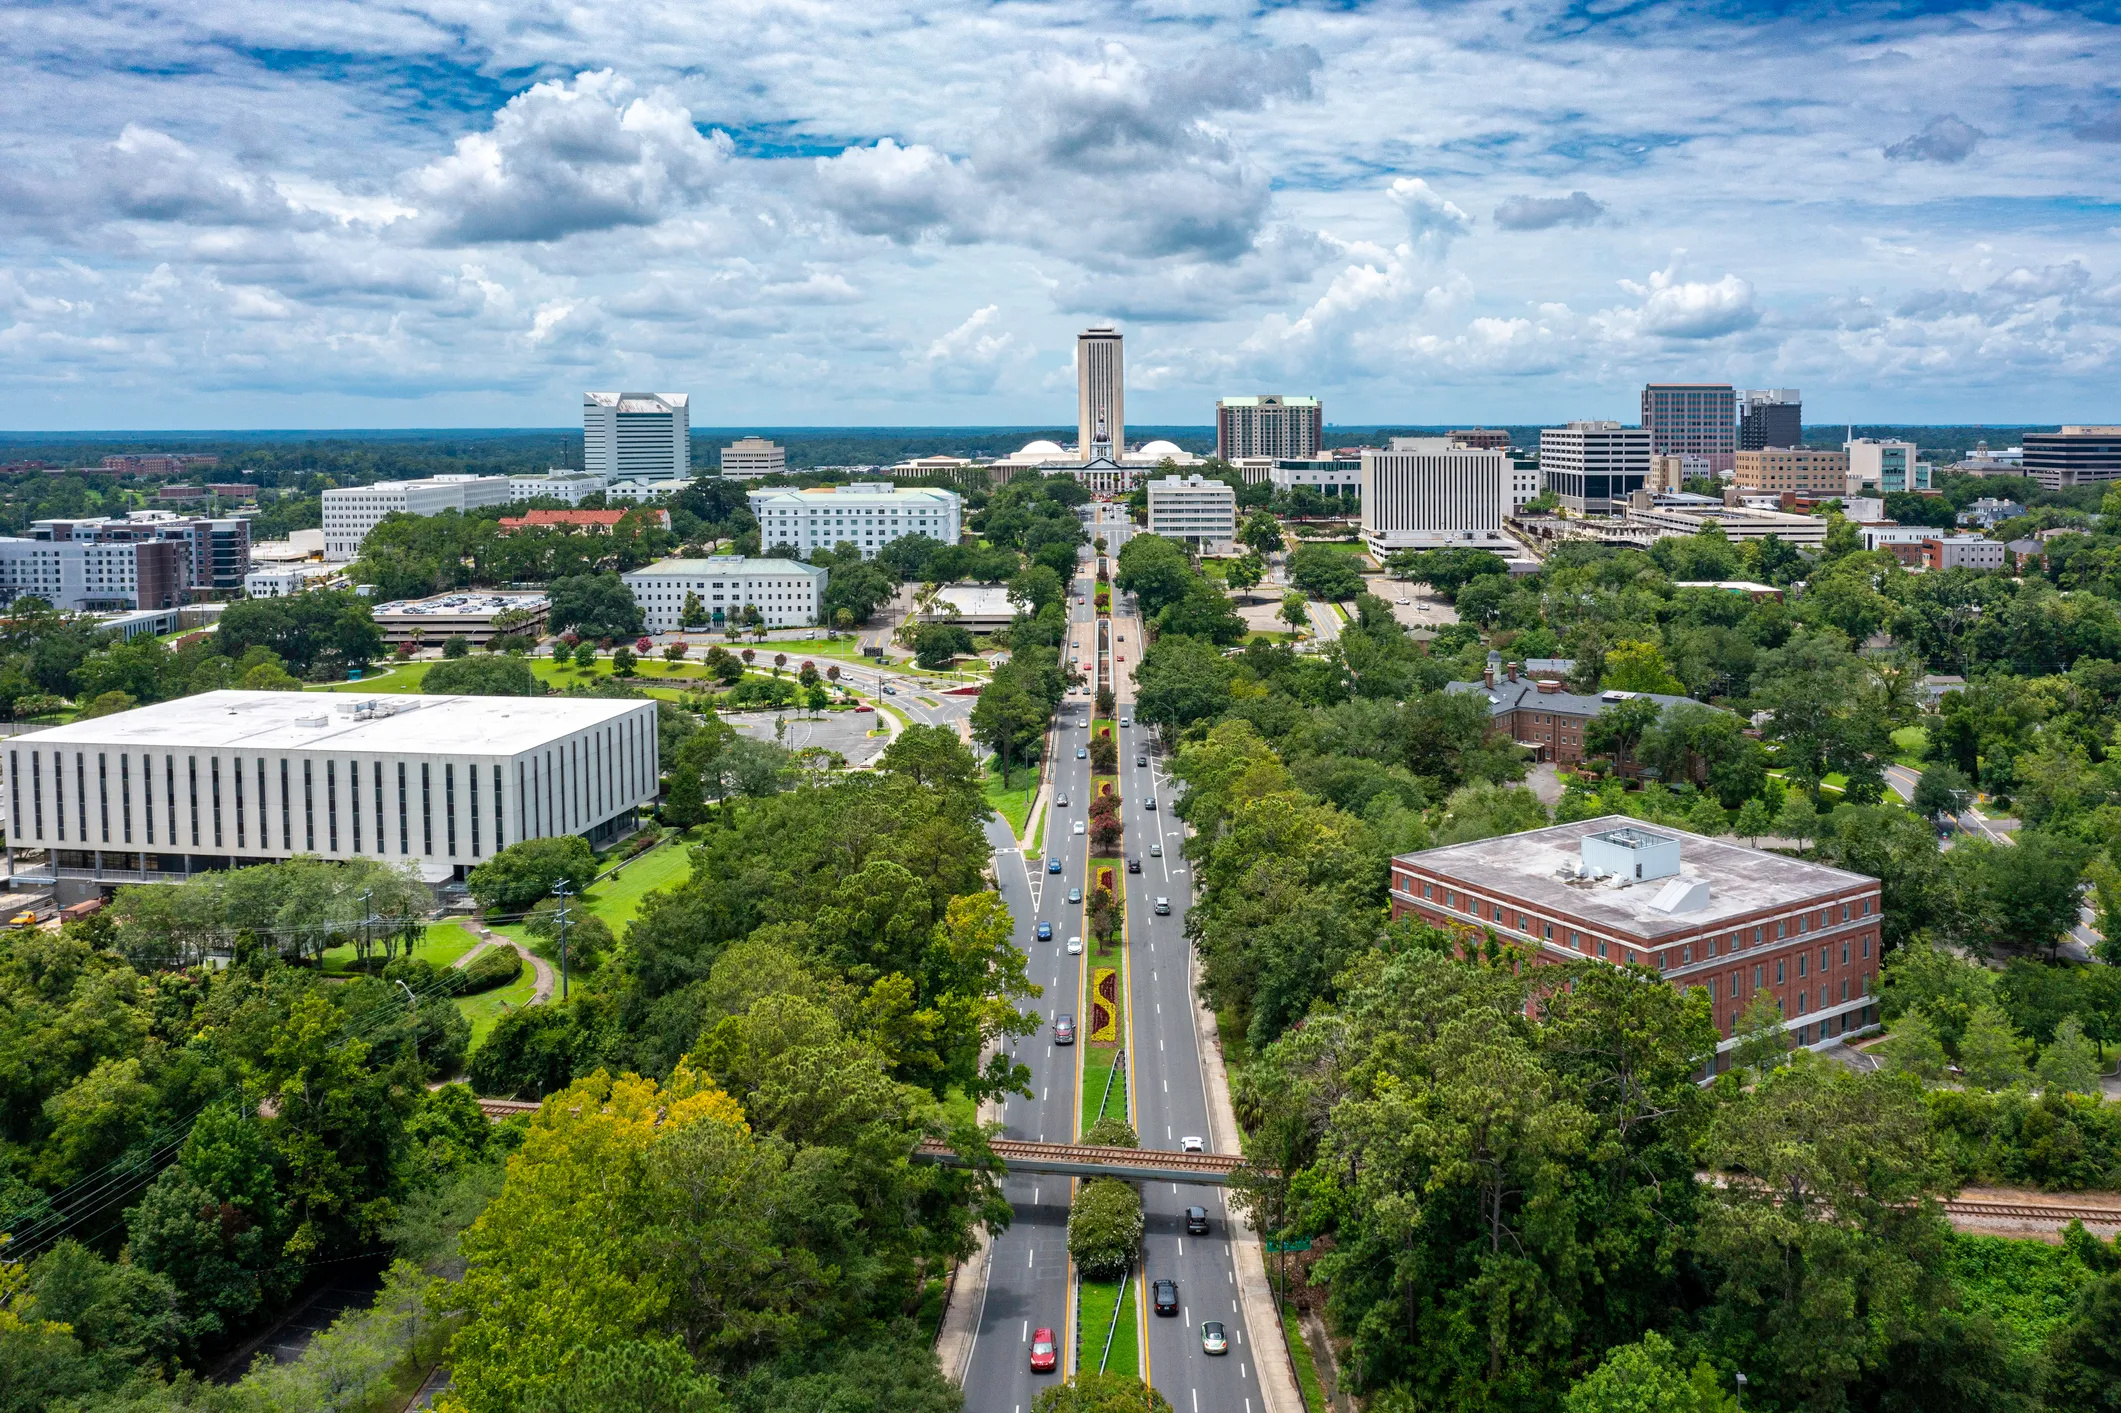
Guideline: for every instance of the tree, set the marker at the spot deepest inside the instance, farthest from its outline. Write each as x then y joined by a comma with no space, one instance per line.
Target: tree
2085,1352
507,676
1753,821
934,758
1295,611
1632,666
1941,792
1649,1376
1323,572
694,614
1157,571
2021,897
622,661
523,874
1763,1040
455,648
107,704
1483,810
1093,1392
632,1376
595,605
2069,1064
1708,817
1914,1047
1261,533
1104,1227
1991,1052
1180,681
585,655
1619,726
1245,573
1799,818
937,645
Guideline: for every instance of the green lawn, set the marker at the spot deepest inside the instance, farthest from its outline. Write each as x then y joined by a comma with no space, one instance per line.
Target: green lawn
1101,1301
397,678
1263,636
487,1007
1909,742
440,945
617,900
1314,1390
1012,804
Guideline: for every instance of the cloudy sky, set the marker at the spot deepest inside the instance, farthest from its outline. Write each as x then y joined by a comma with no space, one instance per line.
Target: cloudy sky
256,213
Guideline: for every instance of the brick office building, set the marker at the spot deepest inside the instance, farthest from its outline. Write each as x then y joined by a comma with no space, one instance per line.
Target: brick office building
1542,715
1702,913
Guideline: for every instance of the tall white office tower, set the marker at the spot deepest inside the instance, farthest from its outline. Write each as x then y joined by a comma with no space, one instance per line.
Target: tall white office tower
1100,393
637,436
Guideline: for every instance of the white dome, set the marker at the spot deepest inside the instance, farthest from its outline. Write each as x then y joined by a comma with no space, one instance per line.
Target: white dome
1161,449
1040,448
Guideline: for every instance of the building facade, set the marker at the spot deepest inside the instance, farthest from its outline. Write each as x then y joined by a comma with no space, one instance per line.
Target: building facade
1701,418
637,436
475,615
1778,469
1542,715
224,779
560,484
1878,467
1593,467
786,592
1424,493
1194,510
748,458
867,514
1962,552
1770,417
1270,425
2074,456
1100,392
1331,476
350,512
1733,922
1481,438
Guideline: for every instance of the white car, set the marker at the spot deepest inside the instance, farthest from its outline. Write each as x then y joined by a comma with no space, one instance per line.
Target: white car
1078,826
1192,1145
1126,720
1075,946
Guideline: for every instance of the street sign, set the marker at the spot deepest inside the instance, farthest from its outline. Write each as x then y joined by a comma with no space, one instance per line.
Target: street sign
1302,1245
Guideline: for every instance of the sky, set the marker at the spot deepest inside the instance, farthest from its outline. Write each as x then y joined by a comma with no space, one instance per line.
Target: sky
339,213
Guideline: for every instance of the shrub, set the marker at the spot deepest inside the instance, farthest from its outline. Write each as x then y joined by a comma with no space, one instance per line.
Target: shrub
1104,1227
497,966
481,677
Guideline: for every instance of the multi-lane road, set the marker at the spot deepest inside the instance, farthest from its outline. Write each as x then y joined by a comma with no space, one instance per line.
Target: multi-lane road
1027,1275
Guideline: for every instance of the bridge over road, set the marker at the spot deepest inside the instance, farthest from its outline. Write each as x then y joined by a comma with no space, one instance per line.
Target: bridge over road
1083,1160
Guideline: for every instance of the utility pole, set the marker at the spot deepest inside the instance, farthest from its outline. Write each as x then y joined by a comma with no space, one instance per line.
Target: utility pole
368,916
414,1002
560,891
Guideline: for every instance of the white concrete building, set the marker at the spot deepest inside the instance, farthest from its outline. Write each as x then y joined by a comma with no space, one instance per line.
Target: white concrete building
1425,493
280,580
1100,392
1965,552
223,779
1194,510
637,436
748,458
786,592
640,492
560,484
298,546
350,512
869,514
1880,467
1593,467
1524,483
1331,476
978,608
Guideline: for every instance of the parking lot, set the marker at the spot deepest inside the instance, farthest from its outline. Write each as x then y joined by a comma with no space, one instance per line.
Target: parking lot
844,731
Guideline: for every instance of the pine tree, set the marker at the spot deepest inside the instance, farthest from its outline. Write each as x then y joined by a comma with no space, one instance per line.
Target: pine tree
2069,1064
1991,1053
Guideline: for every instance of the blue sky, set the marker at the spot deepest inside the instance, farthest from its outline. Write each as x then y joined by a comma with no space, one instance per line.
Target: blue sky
235,213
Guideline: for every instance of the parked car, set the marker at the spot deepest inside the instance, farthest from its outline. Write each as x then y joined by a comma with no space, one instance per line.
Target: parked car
1196,1221
1166,1294
1075,895
1191,1144
1134,865
1045,932
1053,865
1064,1030
1045,1354
1212,1338
1163,907
862,708
1075,946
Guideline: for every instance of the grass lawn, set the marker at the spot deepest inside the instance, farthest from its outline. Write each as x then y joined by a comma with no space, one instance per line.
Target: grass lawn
617,900
1038,839
487,1007
1314,1391
441,945
1908,744
1263,636
1013,800
1097,1063
1102,1301
397,678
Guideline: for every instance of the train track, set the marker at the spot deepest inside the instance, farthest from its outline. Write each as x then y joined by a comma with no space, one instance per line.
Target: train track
2032,1211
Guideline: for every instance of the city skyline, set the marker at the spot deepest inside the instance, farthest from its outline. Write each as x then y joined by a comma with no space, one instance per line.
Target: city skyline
437,220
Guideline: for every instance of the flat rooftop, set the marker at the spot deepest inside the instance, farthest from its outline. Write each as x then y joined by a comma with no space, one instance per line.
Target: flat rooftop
287,721
459,605
1529,867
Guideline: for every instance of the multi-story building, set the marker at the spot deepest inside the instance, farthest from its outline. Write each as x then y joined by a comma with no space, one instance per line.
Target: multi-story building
1100,392
159,463
1878,467
279,580
786,592
94,576
637,436
474,615
1693,417
1425,493
350,512
1271,425
2074,456
581,522
213,553
1962,552
1542,715
1481,438
748,458
1737,923
1194,510
867,514
1778,469
1335,476
1525,479
1593,467
224,779
1687,515
560,484
1770,417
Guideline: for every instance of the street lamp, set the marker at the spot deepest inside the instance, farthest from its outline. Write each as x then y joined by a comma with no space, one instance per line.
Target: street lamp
1741,1393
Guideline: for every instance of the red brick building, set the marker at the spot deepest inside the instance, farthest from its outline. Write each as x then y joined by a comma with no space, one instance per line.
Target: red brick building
1731,920
585,522
1542,715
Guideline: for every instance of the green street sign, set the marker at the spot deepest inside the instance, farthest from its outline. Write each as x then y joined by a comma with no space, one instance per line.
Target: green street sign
1304,1245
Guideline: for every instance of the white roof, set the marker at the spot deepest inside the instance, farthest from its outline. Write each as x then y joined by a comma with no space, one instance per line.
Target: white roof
1161,448
724,564
1041,447
281,721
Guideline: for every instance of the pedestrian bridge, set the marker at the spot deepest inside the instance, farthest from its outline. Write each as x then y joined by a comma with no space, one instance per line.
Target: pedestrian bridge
1082,1160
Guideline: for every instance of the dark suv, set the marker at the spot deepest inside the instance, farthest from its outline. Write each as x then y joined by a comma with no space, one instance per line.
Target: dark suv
1196,1221
1166,1297
1134,865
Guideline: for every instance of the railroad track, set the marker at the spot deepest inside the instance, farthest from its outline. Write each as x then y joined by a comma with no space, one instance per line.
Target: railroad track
1083,1160
2033,1211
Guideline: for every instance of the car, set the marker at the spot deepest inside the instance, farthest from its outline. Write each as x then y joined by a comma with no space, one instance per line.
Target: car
862,708
1064,1030
1075,895
1045,932
1084,723
1080,599
1075,946
1061,801
1150,803
1163,907
1078,826
1141,760
1191,1144
1134,865
1082,753
1196,1221
1126,720
889,690
1045,1354
1156,851
1212,1338
1053,865
1166,1296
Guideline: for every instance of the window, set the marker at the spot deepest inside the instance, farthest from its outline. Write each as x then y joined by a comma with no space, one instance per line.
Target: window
1866,944
1801,959
404,833
1601,949
353,800
287,818
214,767
427,809
449,803
1686,955
1712,989
191,770
1756,976
1780,977
472,772
331,801
309,810
125,796
1781,927
1844,954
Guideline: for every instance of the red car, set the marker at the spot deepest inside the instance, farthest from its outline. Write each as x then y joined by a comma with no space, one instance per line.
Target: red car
1045,1356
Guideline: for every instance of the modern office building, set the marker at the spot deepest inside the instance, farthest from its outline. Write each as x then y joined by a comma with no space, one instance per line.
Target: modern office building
1686,515
475,615
149,559
1424,493
279,580
748,458
1270,425
1961,552
1593,467
1100,392
1770,417
1196,510
868,514
1782,468
1481,438
1331,476
1702,913
224,779
2074,456
786,592
1879,467
560,484
637,436
1693,417
350,512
